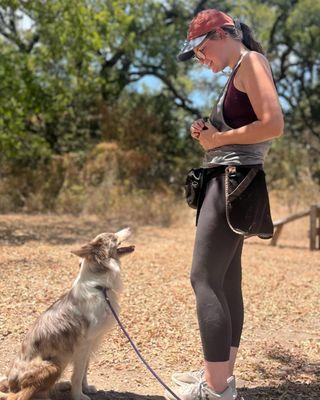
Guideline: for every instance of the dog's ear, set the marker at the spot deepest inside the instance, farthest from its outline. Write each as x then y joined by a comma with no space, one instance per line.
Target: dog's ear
84,252
123,234
94,250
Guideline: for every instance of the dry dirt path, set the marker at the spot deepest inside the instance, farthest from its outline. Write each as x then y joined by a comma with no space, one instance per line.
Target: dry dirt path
279,352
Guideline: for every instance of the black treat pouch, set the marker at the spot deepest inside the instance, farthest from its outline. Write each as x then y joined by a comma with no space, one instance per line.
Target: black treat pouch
247,201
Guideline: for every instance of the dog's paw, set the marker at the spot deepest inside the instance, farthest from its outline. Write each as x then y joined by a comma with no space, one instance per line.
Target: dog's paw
80,396
44,395
3,396
89,389
62,386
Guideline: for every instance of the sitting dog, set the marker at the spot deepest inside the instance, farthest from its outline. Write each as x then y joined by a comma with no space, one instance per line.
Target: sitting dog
71,328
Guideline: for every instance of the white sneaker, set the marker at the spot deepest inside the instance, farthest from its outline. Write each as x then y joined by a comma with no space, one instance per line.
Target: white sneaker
182,378
199,391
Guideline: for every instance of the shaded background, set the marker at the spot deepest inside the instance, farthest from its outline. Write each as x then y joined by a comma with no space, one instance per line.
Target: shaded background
95,110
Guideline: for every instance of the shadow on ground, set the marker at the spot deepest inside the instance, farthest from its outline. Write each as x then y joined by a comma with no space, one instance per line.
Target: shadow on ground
286,391
109,395
56,232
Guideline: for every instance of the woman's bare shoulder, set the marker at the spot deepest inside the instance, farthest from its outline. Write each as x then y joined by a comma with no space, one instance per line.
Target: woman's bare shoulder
253,58
249,63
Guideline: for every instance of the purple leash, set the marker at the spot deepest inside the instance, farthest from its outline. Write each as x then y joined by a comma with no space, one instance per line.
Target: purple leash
104,290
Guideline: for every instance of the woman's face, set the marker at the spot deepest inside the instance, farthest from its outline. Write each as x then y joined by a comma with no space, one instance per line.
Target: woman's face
212,53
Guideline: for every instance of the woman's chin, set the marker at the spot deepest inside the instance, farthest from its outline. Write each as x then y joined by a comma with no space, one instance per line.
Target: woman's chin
214,67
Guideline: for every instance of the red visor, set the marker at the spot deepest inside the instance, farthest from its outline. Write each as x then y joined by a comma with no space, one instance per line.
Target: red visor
204,22
207,20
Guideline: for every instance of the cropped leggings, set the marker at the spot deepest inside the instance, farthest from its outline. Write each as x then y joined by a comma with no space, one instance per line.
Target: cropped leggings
216,276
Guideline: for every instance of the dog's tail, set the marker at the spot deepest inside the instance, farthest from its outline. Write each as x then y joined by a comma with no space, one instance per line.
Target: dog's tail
40,377
23,394
4,387
4,384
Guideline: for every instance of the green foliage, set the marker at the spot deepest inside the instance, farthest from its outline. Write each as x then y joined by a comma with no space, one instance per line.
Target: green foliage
68,69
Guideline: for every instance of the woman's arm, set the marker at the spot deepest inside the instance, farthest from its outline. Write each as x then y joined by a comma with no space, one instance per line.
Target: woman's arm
256,79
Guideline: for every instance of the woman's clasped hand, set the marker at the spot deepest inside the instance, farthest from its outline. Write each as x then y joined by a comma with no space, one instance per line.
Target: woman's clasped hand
207,134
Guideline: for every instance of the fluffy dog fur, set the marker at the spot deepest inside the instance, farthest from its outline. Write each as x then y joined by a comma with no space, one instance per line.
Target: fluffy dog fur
71,328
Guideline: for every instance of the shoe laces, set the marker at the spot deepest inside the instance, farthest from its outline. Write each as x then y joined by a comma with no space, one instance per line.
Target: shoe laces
197,390
202,393
202,372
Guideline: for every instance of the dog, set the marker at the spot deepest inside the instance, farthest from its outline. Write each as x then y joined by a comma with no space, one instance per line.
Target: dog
72,327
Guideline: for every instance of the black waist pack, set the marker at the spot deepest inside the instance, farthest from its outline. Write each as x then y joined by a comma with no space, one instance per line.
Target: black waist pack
246,197
196,181
193,186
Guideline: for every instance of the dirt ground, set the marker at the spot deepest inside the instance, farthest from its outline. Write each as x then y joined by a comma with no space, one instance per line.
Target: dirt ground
279,351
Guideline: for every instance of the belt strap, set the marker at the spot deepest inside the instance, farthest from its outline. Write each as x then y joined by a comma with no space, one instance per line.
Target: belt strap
243,184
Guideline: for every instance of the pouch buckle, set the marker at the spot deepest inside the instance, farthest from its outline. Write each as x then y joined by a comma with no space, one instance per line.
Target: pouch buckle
231,169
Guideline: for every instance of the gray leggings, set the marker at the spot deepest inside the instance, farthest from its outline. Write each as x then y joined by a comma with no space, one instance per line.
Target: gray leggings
216,276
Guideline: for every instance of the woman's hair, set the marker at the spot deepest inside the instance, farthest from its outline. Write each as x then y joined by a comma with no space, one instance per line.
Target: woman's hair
245,36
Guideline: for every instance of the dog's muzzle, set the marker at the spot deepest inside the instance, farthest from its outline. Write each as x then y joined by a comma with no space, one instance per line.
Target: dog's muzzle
125,249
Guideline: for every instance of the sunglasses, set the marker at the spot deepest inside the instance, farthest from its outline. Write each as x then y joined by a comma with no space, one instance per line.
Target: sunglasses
200,56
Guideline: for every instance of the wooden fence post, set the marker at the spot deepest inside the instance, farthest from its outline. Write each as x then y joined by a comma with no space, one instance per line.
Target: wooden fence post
314,227
278,225
314,231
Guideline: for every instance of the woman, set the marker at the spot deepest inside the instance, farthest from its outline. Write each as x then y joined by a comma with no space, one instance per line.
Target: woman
239,132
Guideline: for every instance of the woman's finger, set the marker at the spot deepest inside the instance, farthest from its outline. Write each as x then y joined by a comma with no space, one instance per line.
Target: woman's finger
199,124
195,129
195,135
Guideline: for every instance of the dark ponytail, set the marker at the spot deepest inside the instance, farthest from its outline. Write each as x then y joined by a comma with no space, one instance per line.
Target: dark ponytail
244,34
248,39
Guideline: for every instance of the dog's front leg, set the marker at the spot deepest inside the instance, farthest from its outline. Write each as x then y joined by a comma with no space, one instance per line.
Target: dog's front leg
80,361
44,395
89,389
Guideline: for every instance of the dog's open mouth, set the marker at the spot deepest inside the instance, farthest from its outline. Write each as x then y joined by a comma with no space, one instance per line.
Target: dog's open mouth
125,249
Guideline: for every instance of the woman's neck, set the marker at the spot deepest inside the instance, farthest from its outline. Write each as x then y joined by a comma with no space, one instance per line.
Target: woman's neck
236,55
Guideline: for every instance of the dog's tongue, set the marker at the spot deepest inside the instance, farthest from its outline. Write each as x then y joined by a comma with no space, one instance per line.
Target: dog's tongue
125,249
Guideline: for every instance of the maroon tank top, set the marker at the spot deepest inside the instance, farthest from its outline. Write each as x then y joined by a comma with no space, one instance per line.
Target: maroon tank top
237,109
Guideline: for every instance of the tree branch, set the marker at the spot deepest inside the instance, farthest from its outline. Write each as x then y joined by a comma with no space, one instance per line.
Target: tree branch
12,34
184,102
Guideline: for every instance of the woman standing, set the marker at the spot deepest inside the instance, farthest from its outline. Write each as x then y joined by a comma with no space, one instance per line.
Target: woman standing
245,119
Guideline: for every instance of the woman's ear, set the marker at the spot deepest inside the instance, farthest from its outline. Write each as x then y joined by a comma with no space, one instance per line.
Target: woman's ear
222,33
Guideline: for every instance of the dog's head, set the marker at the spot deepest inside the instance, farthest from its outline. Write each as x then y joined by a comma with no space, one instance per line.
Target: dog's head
105,247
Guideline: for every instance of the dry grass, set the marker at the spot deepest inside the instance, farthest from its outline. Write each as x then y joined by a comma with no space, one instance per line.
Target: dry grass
279,352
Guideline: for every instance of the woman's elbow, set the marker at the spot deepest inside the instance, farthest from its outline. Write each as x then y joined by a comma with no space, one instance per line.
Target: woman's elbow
277,126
